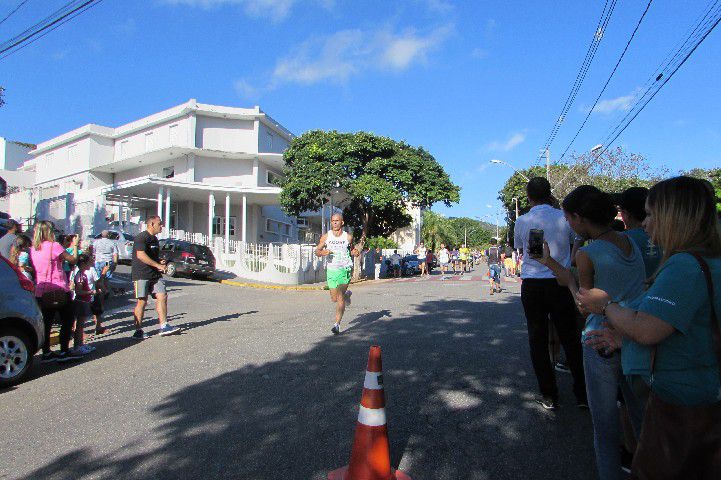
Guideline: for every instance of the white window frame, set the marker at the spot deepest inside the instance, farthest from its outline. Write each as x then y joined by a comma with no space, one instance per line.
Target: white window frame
302,222
173,130
268,173
149,141
123,148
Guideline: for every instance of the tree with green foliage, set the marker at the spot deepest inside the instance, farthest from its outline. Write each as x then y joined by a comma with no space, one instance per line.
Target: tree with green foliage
381,242
613,171
377,176
713,175
438,229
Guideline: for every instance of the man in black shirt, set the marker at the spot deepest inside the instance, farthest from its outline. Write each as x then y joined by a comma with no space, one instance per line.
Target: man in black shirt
146,273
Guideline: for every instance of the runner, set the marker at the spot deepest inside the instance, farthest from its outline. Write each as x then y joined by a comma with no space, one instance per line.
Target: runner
336,245
444,258
493,257
146,273
421,252
463,254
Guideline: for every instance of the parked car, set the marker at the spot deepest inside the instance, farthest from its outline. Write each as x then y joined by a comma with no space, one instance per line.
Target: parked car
124,241
21,324
187,258
410,265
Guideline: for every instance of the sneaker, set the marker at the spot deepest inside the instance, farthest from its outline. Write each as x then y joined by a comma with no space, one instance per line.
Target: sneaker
347,298
139,335
336,329
83,349
561,367
547,403
68,356
101,331
48,357
168,329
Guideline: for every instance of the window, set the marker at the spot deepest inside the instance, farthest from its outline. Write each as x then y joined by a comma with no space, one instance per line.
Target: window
219,226
73,153
149,141
124,148
302,222
273,178
174,135
270,142
169,172
280,228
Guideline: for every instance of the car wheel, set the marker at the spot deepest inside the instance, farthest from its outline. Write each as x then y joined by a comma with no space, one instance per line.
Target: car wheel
15,356
172,270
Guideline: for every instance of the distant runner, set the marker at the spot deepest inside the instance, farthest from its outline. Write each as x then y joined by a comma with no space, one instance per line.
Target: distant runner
493,257
337,246
463,253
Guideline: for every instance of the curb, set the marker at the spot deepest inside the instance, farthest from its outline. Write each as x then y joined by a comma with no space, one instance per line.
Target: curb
263,286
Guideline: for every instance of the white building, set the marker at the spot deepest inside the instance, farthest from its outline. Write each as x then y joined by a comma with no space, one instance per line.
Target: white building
203,168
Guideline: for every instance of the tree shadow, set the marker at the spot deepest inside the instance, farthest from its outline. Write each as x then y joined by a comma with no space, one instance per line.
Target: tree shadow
459,392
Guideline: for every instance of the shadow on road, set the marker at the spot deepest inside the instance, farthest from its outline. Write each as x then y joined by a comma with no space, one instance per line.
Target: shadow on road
459,394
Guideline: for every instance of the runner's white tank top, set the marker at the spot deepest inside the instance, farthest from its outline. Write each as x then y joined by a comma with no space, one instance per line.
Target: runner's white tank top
339,251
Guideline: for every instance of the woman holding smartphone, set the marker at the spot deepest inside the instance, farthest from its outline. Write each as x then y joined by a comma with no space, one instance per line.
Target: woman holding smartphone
612,262
671,335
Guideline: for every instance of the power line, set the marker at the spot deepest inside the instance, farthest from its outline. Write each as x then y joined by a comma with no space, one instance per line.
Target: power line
581,75
11,13
66,20
696,36
620,58
65,12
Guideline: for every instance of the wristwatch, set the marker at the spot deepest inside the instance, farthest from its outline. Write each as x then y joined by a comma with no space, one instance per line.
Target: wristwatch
603,310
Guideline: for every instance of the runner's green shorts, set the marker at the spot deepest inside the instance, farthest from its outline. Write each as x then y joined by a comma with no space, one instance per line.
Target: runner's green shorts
337,277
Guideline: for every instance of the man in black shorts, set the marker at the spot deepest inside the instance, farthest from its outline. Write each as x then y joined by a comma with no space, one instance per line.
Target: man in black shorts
146,273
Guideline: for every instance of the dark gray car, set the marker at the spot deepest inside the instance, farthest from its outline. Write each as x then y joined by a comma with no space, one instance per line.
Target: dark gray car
21,325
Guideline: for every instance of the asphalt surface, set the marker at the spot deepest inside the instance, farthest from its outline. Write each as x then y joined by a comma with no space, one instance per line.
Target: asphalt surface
256,387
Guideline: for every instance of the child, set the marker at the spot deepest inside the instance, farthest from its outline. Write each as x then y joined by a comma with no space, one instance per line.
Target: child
84,278
20,257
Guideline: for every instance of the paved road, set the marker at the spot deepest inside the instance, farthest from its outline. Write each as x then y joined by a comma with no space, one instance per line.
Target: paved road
257,388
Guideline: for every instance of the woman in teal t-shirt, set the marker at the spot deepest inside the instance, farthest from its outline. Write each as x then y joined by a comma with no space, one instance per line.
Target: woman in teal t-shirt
673,317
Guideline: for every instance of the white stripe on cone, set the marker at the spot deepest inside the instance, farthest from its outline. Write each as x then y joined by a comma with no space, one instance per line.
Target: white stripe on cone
372,417
373,381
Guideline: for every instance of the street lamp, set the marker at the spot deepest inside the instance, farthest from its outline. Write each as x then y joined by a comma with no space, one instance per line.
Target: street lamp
501,162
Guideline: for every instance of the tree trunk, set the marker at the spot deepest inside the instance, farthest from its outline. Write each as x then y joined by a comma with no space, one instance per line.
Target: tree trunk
357,265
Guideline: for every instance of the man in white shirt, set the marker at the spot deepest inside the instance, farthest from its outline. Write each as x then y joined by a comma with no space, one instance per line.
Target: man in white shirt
396,263
543,299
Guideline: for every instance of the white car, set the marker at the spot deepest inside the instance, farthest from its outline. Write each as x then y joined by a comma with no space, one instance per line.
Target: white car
124,241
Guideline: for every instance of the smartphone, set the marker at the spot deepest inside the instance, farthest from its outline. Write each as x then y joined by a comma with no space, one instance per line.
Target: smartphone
535,243
107,264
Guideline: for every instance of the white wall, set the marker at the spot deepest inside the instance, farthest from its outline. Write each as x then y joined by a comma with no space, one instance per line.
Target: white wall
180,165
63,161
101,151
263,174
227,135
270,141
171,133
218,171
12,155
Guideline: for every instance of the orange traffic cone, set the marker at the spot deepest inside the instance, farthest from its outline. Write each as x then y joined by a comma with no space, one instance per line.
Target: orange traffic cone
370,457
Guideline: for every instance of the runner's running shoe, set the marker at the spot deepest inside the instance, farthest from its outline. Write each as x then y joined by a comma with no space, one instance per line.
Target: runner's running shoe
139,335
168,329
335,329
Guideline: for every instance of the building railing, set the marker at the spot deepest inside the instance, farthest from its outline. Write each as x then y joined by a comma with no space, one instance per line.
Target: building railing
283,263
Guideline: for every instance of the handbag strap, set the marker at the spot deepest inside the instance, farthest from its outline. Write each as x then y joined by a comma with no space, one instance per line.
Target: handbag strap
715,327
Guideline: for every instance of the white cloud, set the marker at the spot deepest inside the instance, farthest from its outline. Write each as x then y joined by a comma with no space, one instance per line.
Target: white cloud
276,10
338,57
508,145
618,104
246,90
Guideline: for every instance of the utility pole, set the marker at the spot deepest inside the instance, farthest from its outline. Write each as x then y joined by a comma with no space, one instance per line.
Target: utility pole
548,165
514,199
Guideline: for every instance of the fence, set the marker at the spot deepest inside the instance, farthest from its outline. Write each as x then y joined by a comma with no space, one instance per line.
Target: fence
279,263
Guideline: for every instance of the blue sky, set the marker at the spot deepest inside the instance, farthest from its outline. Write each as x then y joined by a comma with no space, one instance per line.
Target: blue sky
470,81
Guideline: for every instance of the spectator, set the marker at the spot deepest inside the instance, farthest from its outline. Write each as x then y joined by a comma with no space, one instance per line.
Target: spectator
672,335
6,242
544,299
85,279
106,253
612,262
396,263
632,205
52,290
20,257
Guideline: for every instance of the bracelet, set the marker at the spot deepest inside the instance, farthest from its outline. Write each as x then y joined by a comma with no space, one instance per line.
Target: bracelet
603,310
